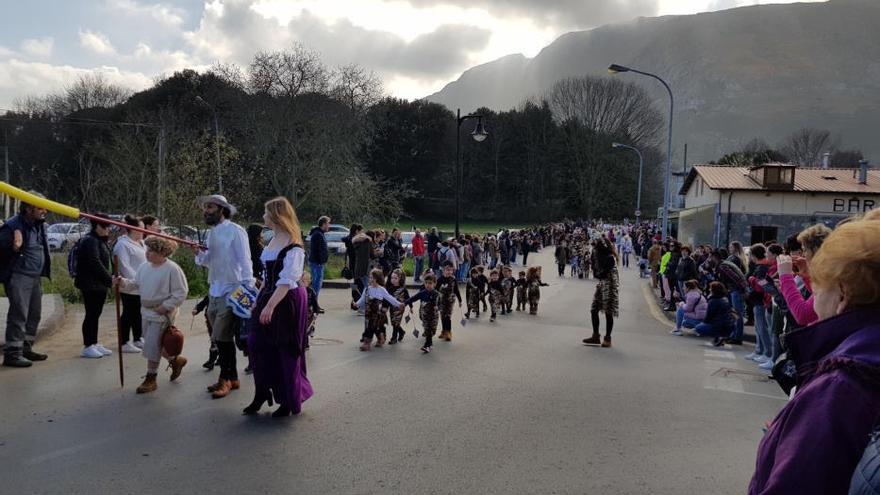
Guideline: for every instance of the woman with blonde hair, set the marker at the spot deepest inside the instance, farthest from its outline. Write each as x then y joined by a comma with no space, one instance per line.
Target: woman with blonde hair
277,336
814,444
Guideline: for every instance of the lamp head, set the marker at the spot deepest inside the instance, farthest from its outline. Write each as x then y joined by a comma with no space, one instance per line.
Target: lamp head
479,133
616,145
614,69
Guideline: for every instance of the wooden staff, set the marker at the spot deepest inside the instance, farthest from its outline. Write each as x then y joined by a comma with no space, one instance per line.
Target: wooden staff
118,323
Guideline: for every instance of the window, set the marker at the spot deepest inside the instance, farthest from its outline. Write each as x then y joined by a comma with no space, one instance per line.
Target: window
778,177
761,235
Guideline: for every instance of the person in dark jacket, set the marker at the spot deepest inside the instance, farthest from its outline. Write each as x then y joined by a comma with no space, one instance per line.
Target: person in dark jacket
433,241
94,279
814,444
670,273
393,251
719,318
24,259
362,248
686,268
318,255
349,257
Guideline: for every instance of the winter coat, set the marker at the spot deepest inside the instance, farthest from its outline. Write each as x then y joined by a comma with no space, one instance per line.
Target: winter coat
10,259
695,305
418,245
318,252
816,441
362,247
686,269
93,264
718,314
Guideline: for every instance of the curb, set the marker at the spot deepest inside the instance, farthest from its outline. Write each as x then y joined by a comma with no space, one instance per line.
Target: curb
50,320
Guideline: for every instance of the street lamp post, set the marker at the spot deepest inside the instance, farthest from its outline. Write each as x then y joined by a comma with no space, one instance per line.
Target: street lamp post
641,167
615,69
216,143
479,134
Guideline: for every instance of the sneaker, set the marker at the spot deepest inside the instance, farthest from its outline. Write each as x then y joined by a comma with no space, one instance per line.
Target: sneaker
139,343
130,348
751,356
761,359
426,349
767,365
103,350
91,352
676,332
594,340
16,361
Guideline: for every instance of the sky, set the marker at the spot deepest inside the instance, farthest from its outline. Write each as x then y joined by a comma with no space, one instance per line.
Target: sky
414,46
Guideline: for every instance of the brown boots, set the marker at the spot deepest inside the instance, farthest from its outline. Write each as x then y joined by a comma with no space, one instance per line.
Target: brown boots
223,387
149,384
176,366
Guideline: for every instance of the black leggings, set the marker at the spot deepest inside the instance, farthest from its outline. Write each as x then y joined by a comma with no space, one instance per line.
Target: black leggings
446,321
609,323
561,269
228,365
131,317
94,303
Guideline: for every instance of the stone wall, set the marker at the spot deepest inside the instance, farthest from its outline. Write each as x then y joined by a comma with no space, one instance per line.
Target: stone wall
741,224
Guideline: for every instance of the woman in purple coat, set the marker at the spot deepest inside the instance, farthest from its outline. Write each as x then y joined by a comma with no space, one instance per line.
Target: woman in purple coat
816,441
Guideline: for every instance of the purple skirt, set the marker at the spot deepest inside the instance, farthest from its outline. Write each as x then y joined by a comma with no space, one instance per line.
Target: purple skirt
277,350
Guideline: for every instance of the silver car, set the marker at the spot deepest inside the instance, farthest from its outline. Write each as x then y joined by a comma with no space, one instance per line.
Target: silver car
61,236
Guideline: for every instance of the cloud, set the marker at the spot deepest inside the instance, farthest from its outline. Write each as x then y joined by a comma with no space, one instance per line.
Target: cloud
96,43
42,78
560,13
237,31
38,47
169,16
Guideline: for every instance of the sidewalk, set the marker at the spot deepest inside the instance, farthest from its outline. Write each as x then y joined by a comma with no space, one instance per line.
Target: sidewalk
52,316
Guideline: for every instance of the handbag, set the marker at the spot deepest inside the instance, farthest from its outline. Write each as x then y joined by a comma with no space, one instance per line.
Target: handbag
346,273
172,339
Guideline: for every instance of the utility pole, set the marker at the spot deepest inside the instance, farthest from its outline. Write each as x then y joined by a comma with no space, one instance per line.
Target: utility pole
160,175
7,200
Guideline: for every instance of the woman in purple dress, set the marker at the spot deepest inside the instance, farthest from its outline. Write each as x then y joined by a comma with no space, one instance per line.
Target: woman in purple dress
277,333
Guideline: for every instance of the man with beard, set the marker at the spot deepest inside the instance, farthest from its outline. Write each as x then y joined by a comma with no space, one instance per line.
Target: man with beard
24,258
228,260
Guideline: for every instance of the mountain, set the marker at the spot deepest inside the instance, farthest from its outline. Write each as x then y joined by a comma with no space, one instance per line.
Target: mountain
762,71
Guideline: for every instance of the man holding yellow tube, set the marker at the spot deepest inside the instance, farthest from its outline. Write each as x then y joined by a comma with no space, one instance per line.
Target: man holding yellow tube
24,259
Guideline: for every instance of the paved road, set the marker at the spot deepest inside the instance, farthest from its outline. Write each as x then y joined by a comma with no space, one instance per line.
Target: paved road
519,406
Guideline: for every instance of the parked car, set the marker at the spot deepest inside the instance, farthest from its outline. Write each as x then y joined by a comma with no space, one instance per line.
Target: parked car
61,236
334,238
406,239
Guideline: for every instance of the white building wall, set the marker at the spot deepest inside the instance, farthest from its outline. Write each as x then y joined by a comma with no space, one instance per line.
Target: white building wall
800,203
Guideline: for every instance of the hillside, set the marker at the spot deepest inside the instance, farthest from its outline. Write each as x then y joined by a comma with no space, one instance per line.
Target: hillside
736,74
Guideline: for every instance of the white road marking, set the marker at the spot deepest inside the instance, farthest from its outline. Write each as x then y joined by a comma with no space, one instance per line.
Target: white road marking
709,353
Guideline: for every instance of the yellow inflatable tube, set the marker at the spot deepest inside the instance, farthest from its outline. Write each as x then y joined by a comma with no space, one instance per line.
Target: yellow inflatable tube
26,197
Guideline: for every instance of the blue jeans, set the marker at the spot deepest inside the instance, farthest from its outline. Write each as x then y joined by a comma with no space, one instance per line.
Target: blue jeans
764,342
419,268
513,256
736,300
317,277
711,330
682,321
463,270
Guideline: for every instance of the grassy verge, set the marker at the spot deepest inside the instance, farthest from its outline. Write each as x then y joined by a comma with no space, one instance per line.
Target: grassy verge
333,269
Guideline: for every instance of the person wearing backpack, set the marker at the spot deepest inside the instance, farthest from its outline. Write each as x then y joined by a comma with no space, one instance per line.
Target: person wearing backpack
24,260
692,311
92,276
728,273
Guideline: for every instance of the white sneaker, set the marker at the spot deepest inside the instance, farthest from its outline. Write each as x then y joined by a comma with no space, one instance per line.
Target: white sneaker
130,348
761,359
103,350
750,356
139,343
767,365
677,333
91,352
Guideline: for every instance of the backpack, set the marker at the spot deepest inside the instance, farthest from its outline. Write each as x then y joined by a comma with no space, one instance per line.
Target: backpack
442,256
734,274
73,257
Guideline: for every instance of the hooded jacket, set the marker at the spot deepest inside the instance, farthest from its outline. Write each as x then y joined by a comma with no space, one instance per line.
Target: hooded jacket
816,441
362,247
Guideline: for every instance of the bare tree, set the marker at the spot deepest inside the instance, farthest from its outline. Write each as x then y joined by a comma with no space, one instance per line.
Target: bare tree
806,146
288,72
846,159
356,87
607,106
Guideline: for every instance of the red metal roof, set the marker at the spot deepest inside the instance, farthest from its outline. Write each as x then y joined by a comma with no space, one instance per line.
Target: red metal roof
831,180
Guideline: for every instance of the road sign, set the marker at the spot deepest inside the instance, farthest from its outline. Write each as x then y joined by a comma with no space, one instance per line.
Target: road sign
638,213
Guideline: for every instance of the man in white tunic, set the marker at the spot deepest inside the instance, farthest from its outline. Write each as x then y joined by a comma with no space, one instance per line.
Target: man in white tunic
228,260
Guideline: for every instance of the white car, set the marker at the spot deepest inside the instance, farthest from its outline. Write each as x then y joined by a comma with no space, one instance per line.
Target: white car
406,239
334,238
62,236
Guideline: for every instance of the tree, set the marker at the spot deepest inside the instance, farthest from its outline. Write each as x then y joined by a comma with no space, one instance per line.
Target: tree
846,159
288,72
806,146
